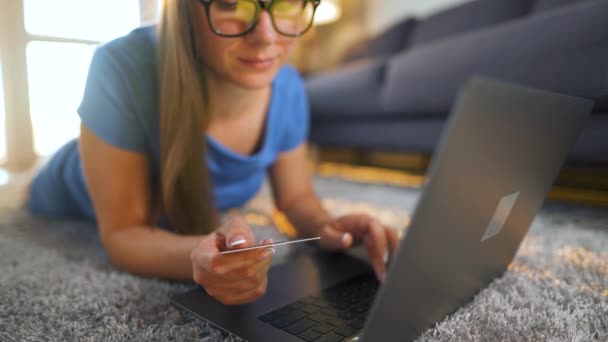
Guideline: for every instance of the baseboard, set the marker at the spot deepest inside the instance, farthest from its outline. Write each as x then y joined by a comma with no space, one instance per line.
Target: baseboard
586,185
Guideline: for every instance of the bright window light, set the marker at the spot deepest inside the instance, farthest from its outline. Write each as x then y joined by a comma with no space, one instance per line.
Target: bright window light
57,73
328,12
81,19
2,121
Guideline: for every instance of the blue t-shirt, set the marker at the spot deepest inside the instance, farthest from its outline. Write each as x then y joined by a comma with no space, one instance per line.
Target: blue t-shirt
120,106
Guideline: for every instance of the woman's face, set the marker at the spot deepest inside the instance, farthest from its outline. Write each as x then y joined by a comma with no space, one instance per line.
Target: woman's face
250,61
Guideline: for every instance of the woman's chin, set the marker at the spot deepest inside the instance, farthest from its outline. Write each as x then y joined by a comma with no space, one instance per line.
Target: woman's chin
254,82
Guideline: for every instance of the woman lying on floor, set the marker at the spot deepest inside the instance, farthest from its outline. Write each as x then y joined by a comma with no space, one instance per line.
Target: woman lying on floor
183,123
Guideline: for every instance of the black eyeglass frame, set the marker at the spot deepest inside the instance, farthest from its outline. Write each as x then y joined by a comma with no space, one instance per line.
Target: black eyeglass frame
261,5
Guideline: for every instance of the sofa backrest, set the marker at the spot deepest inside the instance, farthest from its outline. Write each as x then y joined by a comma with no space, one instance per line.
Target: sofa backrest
470,16
546,5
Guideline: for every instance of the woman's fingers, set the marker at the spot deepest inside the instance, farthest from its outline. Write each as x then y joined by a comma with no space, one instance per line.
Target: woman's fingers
203,254
379,239
240,280
376,242
234,234
246,286
393,238
231,278
237,298
248,271
225,263
333,239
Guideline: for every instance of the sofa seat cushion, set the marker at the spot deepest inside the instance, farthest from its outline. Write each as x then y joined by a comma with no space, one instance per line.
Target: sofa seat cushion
349,92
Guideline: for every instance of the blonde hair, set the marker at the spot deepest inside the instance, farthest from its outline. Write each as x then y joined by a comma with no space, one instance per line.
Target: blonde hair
186,196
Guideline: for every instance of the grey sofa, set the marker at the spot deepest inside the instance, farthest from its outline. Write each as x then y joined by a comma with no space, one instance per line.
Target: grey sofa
394,92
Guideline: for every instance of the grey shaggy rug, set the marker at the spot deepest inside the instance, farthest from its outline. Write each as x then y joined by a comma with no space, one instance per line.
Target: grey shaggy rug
56,283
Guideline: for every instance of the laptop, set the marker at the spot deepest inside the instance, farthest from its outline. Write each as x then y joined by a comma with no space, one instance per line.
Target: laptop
499,154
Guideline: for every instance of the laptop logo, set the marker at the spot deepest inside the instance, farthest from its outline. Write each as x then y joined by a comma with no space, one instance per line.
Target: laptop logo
500,216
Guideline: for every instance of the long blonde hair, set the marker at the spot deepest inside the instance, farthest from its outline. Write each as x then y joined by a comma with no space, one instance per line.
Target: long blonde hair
186,195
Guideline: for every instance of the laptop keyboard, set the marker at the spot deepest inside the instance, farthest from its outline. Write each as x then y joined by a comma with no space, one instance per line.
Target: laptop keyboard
336,314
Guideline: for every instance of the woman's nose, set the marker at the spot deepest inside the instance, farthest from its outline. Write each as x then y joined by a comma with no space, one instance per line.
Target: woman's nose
264,32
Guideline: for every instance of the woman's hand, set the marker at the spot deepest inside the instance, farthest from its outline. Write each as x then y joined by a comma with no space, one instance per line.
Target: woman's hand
379,239
236,278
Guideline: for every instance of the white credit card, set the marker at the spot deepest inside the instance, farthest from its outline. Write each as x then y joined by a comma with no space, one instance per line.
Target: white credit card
272,244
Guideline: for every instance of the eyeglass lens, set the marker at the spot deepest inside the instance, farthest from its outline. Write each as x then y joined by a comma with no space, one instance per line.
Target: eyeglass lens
233,17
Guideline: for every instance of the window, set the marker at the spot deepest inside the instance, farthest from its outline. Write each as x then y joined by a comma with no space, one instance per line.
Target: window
56,76
57,67
81,19
2,122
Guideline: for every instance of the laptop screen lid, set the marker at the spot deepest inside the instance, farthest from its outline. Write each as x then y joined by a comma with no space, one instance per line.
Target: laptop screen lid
500,152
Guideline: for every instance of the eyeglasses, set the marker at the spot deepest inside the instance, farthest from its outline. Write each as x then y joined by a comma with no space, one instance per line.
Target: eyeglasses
235,18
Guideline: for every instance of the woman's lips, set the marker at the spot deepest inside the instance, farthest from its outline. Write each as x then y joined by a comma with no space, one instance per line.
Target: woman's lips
258,63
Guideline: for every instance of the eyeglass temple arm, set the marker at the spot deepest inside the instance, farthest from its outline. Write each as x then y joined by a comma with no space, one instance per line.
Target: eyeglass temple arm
265,3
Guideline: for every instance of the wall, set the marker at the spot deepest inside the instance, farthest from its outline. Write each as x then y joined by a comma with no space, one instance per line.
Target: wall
383,13
323,46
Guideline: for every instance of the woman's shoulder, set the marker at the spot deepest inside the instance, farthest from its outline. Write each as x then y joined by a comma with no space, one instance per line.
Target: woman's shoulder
137,48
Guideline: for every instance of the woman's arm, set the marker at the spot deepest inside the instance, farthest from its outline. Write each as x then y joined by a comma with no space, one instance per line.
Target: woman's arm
294,194
119,186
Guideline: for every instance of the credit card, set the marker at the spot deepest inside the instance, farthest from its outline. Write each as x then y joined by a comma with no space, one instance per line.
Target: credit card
272,244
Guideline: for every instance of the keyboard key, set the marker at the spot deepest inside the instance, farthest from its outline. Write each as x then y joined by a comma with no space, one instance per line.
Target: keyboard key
330,312
356,323
309,335
345,331
269,316
323,328
310,309
335,321
318,317
331,337
285,320
282,311
300,326
281,322
296,306
295,315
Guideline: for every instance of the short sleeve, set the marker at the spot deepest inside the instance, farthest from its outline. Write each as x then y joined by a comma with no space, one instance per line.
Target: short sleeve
298,119
108,107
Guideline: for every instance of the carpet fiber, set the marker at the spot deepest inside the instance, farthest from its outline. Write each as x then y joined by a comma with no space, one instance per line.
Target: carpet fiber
56,283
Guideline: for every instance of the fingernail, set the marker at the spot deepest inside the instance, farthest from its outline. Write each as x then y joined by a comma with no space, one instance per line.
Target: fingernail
268,252
385,257
237,240
345,238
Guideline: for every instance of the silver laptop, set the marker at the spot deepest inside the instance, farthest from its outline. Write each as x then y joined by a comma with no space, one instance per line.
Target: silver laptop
498,157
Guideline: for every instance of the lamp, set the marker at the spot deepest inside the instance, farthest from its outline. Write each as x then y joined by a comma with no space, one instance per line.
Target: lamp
328,12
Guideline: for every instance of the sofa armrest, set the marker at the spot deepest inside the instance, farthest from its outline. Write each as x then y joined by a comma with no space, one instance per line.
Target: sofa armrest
387,43
564,51
352,91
